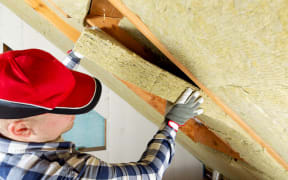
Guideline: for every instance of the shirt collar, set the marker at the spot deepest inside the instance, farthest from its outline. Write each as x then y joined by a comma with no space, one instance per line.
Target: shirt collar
15,147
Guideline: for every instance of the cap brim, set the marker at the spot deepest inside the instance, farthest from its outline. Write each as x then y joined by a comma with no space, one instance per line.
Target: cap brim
83,98
14,110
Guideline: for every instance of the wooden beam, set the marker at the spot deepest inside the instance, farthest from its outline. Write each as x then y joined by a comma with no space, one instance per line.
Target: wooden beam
58,8
102,22
155,101
197,132
52,17
134,19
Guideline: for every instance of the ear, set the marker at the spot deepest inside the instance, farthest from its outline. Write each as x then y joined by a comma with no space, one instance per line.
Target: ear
19,129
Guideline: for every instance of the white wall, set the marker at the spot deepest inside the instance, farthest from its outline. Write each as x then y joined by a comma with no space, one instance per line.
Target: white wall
128,131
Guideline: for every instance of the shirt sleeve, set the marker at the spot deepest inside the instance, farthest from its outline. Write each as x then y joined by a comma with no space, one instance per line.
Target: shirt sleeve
152,165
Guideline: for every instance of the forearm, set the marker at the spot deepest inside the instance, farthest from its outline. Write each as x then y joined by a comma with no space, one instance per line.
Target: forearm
160,150
152,165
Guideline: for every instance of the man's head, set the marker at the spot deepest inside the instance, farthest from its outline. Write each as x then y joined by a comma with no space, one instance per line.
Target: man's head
39,128
36,89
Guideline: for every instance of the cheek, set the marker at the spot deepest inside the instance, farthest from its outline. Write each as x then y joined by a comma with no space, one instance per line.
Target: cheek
63,124
67,124
57,127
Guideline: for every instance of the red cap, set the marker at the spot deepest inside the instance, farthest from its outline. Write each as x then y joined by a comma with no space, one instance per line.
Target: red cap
33,82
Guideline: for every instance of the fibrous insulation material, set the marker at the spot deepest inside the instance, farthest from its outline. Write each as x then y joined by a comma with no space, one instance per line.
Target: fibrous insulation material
239,50
76,9
115,58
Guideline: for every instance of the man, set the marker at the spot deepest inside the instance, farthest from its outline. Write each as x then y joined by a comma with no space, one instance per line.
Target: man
39,98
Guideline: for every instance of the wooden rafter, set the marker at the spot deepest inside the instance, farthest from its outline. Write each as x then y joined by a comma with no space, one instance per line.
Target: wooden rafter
72,33
197,132
58,8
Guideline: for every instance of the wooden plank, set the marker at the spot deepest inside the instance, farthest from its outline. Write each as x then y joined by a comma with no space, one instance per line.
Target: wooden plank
149,35
155,101
58,8
102,22
46,12
197,132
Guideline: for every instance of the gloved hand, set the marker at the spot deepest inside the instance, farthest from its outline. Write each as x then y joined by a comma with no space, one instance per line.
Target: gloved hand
186,107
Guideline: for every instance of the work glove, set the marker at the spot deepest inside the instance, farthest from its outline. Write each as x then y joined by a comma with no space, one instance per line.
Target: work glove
186,107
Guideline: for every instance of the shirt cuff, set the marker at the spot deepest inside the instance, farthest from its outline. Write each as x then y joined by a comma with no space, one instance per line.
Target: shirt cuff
169,131
173,125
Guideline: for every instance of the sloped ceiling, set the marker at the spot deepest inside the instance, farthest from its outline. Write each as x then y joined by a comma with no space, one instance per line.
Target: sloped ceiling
238,49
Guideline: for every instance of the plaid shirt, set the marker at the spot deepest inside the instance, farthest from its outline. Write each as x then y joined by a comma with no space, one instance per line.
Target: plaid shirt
60,160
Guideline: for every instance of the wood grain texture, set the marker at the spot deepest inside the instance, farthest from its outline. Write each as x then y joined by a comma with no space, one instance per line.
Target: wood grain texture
104,8
155,101
197,132
52,17
58,8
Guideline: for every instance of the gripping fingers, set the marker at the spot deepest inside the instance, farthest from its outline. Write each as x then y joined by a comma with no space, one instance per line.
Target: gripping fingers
180,118
187,112
197,103
191,104
193,97
184,97
198,112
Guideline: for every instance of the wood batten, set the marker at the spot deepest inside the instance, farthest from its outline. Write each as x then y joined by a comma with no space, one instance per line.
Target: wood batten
58,8
38,5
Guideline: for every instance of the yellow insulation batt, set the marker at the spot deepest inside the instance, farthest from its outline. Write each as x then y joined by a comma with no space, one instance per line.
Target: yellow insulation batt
109,54
76,9
239,50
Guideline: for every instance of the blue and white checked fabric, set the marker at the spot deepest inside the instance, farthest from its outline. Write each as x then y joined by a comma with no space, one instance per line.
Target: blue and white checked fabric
60,160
